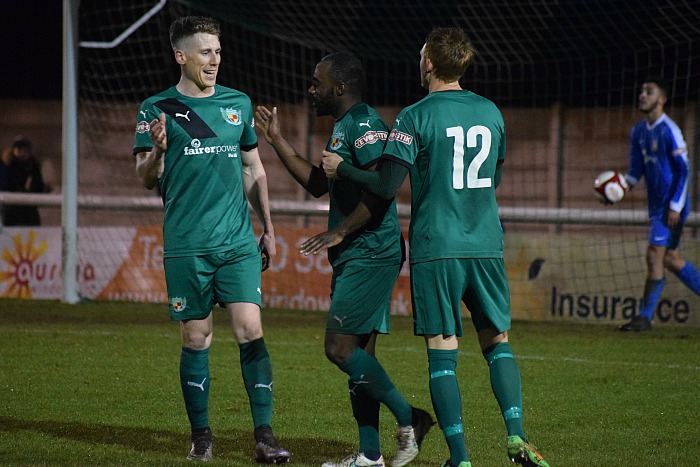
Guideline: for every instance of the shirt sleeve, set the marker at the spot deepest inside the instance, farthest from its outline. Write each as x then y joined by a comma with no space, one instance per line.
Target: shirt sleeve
367,139
385,182
142,140
249,140
636,160
402,143
681,169
501,158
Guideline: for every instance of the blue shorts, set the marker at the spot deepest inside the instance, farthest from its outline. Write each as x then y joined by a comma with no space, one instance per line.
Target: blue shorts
661,235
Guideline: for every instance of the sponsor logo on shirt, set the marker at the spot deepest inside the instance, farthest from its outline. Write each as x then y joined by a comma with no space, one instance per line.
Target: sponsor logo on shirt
370,137
400,136
143,127
231,115
195,148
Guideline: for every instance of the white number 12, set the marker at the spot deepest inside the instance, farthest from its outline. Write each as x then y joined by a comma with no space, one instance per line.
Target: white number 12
473,180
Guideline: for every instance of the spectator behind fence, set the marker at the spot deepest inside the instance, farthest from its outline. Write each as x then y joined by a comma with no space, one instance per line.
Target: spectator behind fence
23,175
5,158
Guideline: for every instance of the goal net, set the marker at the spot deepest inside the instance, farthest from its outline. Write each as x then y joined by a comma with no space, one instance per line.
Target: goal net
566,76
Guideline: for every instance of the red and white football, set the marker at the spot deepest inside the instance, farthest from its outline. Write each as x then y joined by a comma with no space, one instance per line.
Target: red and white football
610,186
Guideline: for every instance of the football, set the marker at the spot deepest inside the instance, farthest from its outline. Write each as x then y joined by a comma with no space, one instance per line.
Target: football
610,186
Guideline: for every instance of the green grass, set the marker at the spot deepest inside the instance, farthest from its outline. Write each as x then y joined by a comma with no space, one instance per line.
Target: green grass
97,384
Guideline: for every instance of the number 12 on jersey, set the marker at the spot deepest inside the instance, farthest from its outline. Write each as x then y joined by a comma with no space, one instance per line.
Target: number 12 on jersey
473,180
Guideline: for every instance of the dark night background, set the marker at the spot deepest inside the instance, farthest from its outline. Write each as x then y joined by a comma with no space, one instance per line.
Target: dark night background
31,35
528,55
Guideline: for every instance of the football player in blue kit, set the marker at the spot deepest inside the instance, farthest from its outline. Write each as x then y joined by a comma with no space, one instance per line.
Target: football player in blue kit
658,153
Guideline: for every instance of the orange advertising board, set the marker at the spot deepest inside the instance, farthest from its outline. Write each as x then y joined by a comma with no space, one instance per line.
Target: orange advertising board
551,277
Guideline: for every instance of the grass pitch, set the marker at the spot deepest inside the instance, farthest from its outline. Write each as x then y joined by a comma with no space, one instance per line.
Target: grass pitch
97,384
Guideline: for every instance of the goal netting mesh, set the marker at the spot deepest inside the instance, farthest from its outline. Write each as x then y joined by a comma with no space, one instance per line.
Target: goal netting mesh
565,74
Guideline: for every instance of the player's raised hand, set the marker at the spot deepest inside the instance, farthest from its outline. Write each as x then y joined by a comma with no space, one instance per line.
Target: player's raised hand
330,163
267,122
320,242
158,134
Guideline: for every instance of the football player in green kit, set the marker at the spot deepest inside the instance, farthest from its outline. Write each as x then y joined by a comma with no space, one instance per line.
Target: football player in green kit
360,304
196,141
452,143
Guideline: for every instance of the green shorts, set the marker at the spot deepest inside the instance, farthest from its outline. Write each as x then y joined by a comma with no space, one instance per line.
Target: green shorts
438,287
361,299
196,283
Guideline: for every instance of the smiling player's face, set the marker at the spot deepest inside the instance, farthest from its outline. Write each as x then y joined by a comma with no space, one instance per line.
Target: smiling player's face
200,57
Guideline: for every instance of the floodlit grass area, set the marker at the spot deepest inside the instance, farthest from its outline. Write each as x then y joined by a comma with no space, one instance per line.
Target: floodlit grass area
97,384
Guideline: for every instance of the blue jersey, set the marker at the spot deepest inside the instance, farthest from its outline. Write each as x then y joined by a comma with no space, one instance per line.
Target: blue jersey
658,153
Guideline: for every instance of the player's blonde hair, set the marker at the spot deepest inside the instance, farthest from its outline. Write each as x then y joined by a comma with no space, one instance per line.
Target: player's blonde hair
187,26
450,51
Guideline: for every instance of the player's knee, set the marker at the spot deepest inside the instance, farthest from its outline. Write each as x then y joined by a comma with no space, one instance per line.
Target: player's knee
489,338
247,332
195,341
656,258
336,353
673,261
196,334
335,357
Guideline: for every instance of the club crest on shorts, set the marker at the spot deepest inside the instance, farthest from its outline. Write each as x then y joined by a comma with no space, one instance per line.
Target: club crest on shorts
231,115
178,304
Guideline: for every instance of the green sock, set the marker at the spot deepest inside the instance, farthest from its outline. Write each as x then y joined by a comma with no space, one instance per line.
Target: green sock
447,402
194,380
365,409
257,377
365,370
505,382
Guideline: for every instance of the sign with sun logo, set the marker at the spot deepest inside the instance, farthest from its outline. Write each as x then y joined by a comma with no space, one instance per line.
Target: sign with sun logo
22,265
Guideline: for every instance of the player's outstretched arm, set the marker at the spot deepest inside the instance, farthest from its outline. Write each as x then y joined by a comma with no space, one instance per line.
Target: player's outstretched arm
306,174
369,208
385,182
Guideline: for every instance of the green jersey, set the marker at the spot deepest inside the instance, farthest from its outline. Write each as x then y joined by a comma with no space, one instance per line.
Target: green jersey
359,137
452,142
206,210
